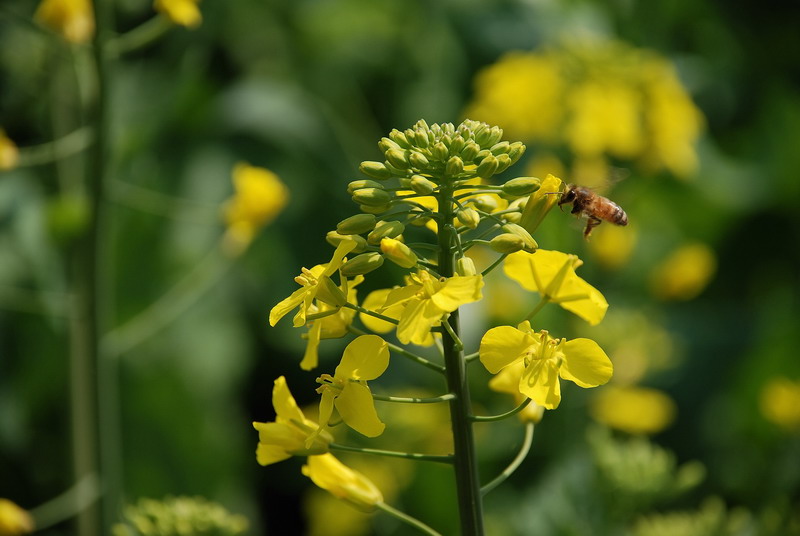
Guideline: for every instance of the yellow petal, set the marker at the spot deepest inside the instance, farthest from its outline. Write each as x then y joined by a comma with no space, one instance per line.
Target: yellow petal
540,203
342,482
365,358
357,408
182,12
286,305
503,345
282,400
268,454
540,384
458,291
591,308
585,363
311,356
418,318
375,301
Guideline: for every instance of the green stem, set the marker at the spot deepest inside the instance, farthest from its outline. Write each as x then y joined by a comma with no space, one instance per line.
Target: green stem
402,351
494,265
394,454
450,331
515,463
371,313
539,306
500,417
66,505
68,145
405,518
465,456
139,37
414,400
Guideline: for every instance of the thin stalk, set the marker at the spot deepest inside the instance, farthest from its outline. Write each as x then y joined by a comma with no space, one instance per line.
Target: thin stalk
465,457
414,399
371,313
539,306
394,454
494,265
405,518
501,416
402,351
68,145
515,463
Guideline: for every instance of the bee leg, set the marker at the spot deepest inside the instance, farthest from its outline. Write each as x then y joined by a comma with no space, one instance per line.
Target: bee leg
591,223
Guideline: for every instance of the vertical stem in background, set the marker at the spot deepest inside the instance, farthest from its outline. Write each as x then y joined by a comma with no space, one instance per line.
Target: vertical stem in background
86,367
465,462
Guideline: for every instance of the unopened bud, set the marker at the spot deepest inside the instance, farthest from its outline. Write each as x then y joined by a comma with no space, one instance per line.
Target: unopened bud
385,144
507,243
521,186
503,162
362,264
360,223
376,170
374,209
530,243
422,138
516,150
328,292
399,138
456,145
454,166
397,158
362,183
372,197
487,167
398,253
470,151
333,238
421,185
485,202
440,151
512,217
469,217
418,160
465,267
500,148
385,229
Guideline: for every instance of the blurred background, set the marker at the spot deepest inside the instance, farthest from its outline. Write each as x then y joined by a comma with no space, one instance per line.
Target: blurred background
686,113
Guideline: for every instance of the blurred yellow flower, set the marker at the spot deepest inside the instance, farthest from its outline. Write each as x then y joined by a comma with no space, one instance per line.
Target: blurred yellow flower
552,275
364,359
685,273
9,154
780,403
544,359
597,99
71,19
260,196
635,410
14,521
326,517
288,436
181,12
342,482
612,245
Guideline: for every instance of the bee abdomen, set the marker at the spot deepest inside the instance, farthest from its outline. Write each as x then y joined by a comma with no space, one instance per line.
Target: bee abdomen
619,217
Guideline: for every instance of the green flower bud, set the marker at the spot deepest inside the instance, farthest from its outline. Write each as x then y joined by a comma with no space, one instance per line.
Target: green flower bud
397,158
485,202
470,151
440,152
512,217
385,229
530,243
454,167
521,186
396,172
456,145
518,204
362,183
469,217
500,148
329,293
399,138
487,167
422,138
398,253
360,223
421,185
405,182
503,161
418,160
385,144
515,151
333,238
422,124
376,170
465,267
362,264
374,209
372,197
507,243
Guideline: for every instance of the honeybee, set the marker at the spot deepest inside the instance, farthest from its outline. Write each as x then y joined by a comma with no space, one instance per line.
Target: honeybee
595,207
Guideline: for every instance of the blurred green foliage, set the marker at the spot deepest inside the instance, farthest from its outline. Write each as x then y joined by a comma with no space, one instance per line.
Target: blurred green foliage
306,89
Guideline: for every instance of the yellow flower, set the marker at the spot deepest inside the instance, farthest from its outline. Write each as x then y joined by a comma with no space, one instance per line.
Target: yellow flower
9,154
545,359
14,521
780,403
288,436
316,284
331,326
685,273
635,410
259,197
612,245
552,274
71,19
426,300
181,12
342,482
507,381
364,359
540,203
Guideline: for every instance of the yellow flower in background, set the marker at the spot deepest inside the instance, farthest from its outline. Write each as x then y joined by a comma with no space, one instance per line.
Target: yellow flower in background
290,433
685,273
635,410
259,197
71,19
507,381
9,154
552,275
780,403
181,12
612,245
14,521
544,359
596,99
364,359
342,482
315,284
426,300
